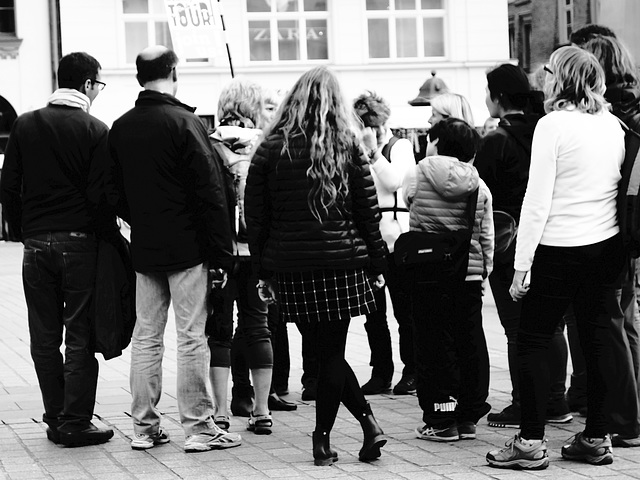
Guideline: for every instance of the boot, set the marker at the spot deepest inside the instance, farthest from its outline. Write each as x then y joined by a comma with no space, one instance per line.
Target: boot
374,437
323,455
242,401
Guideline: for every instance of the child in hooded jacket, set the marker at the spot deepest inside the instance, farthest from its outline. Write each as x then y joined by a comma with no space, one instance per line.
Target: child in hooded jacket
452,361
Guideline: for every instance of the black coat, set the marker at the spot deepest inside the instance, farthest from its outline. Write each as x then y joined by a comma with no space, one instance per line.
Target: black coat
53,177
503,161
174,189
284,236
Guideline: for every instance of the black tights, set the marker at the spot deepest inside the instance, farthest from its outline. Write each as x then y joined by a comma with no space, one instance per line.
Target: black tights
336,380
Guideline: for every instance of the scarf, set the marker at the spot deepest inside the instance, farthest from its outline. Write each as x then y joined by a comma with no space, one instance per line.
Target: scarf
71,98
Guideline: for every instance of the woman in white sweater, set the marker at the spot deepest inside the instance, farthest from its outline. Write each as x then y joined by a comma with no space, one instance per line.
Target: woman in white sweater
568,249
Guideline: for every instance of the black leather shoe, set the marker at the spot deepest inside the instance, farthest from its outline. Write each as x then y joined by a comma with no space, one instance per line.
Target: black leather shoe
278,404
241,406
375,386
53,435
90,435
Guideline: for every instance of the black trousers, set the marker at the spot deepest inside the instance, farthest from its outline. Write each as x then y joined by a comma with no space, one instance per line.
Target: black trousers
561,276
509,314
377,327
58,273
622,404
450,344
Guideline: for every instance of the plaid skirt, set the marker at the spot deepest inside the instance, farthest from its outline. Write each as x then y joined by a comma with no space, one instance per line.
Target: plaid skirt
324,295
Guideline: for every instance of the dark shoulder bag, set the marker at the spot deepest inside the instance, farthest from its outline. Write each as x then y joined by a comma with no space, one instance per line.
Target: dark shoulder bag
440,258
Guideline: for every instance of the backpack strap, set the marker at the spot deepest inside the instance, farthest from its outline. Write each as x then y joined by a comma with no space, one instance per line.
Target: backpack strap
386,153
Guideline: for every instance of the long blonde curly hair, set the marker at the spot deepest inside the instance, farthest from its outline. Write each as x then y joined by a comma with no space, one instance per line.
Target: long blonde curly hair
316,109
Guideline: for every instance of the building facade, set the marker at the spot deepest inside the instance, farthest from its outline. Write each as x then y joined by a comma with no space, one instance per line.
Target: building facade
537,27
390,46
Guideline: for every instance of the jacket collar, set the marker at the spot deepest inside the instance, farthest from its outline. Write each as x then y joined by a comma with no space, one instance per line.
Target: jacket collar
151,97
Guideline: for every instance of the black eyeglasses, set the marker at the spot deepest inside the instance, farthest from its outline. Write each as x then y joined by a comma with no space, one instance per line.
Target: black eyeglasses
547,69
100,84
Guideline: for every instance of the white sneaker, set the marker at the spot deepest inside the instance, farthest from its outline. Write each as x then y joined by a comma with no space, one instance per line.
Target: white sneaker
214,438
142,441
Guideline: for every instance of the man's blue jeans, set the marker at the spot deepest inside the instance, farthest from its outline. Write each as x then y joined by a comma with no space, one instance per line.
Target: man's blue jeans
58,274
187,289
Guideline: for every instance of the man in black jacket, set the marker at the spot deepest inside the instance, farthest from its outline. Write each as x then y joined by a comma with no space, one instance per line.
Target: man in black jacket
53,190
180,229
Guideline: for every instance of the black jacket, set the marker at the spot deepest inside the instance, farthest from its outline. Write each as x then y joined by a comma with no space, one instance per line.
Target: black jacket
284,236
625,104
54,180
173,188
503,161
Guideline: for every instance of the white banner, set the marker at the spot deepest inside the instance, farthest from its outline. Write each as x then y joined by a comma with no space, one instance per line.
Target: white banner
196,28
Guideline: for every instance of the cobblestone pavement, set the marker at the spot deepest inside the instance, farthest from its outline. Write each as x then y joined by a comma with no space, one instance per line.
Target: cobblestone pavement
25,453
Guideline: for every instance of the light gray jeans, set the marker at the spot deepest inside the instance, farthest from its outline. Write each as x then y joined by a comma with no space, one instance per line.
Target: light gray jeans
154,291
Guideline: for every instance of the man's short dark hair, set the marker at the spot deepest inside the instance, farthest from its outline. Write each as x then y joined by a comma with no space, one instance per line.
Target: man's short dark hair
76,68
372,109
586,33
456,138
158,68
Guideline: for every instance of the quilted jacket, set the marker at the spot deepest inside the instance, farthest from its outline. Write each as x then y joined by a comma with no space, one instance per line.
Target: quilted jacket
436,192
283,233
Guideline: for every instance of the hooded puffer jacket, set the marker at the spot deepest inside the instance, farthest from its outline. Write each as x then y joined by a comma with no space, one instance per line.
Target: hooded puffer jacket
284,236
436,192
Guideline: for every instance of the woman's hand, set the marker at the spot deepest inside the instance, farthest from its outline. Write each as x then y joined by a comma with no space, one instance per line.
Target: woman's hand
518,287
377,283
266,291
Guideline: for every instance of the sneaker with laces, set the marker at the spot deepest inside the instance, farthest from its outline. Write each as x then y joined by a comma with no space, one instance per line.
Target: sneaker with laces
467,430
142,441
509,417
212,439
520,454
449,434
406,385
596,451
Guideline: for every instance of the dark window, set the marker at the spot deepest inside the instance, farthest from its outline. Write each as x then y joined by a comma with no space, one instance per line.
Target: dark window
7,17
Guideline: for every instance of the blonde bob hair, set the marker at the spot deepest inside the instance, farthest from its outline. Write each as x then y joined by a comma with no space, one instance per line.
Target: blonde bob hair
453,105
577,81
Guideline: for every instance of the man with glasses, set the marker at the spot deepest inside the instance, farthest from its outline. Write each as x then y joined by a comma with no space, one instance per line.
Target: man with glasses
53,189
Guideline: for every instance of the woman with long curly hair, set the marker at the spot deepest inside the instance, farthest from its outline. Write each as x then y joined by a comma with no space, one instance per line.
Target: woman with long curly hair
312,218
568,251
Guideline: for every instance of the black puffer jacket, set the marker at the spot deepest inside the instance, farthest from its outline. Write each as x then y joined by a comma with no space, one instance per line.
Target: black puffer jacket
503,161
284,236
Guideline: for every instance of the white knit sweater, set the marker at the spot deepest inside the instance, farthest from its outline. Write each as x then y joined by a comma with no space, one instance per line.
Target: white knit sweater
573,179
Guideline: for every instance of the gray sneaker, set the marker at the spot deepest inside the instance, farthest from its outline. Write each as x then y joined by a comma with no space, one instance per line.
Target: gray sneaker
518,455
596,451
142,441
212,439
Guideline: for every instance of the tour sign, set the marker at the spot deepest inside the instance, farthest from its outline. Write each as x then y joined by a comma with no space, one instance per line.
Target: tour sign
196,28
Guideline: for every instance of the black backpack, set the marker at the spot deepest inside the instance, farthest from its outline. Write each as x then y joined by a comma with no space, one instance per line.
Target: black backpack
628,192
